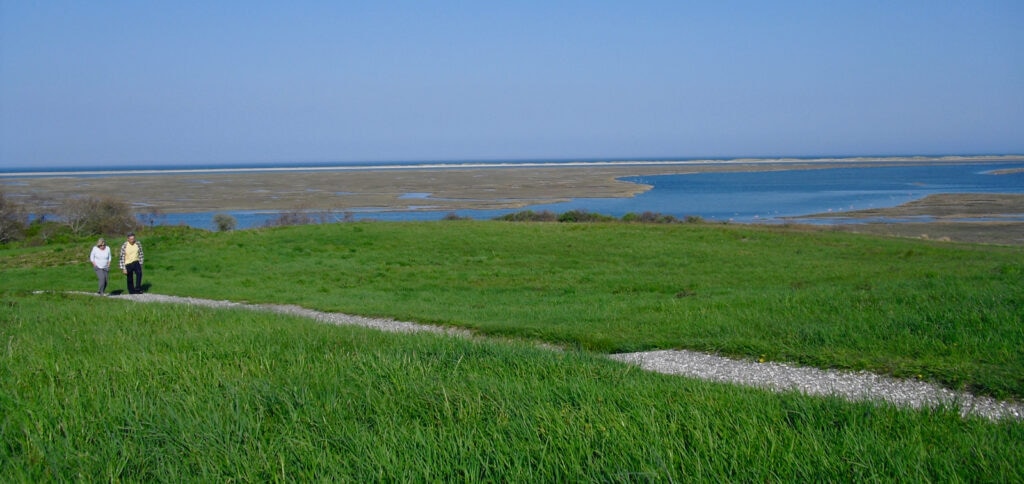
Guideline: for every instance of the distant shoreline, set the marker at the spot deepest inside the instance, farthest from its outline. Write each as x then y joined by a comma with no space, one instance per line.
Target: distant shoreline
451,187
498,186
456,165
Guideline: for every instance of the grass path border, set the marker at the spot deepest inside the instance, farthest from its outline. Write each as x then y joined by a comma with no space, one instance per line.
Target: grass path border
773,376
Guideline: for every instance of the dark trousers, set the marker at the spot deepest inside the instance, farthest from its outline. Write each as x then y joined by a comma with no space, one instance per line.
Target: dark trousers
134,277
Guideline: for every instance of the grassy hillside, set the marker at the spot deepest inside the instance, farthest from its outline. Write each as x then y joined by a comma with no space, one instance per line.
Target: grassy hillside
105,389
951,313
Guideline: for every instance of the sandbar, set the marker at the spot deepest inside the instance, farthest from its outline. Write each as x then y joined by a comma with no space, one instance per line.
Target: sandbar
438,188
485,186
945,217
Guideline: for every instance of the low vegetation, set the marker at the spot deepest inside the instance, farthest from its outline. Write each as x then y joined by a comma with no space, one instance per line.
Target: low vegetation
85,216
942,312
13,219
97,215
585,216
101,389
115,390
529,216
224,222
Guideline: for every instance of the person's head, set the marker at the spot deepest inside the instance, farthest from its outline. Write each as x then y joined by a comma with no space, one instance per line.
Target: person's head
101,243
131,237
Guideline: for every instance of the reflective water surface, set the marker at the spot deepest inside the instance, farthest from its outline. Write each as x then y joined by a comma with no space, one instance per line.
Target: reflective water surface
738,197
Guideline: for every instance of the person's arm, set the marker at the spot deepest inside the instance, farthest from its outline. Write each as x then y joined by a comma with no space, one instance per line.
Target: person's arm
121,259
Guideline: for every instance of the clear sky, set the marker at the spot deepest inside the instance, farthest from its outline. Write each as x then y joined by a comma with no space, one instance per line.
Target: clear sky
127,83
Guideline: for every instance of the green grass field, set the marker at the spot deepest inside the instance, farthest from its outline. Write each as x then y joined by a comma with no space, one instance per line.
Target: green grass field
108,389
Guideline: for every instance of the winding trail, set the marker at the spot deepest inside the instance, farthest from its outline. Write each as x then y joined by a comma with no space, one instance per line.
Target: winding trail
780,377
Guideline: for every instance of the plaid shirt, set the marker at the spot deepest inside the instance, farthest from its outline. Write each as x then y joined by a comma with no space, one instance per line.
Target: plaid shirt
125,244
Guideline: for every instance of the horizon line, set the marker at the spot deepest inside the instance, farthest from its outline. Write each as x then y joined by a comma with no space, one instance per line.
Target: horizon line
568,162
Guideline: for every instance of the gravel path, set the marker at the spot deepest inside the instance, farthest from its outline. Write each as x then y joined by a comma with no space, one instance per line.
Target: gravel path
853,386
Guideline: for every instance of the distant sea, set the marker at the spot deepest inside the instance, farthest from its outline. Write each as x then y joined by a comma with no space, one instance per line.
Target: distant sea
741,197
346,166
121,170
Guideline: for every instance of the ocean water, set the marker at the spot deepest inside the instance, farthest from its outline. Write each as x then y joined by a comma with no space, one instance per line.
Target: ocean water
755,197
767,196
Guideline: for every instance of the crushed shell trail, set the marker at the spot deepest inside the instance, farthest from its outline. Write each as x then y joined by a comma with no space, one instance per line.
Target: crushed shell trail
852,386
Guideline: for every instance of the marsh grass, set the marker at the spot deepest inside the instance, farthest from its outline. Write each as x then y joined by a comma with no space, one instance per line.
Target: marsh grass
949,313
105,389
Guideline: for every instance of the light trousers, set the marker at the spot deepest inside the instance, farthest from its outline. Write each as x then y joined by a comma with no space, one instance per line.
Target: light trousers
102,274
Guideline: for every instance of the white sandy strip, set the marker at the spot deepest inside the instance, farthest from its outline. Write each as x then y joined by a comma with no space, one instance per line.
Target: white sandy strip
510,164
853,386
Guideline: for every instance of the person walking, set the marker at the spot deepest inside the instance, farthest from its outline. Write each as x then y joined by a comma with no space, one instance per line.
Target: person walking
131,263
100,258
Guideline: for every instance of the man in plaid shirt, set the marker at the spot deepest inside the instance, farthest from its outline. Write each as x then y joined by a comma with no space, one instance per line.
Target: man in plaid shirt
131,263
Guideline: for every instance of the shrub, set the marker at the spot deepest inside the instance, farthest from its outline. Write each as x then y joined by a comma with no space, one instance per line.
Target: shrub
299,216
13,219
97,215
650,217
290,218
224,222
529,216
455,216
583,216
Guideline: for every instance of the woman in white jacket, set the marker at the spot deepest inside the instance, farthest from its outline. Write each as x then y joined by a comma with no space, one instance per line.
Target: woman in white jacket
100,258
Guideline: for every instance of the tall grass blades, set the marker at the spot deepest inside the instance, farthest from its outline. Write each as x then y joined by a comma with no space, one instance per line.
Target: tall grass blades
949,313
102,389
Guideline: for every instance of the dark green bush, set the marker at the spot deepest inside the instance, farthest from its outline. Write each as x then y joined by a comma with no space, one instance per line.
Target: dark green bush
649,218
529,216
583,216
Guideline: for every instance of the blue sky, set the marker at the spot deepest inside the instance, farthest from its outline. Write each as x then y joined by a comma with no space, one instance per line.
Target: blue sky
109,83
